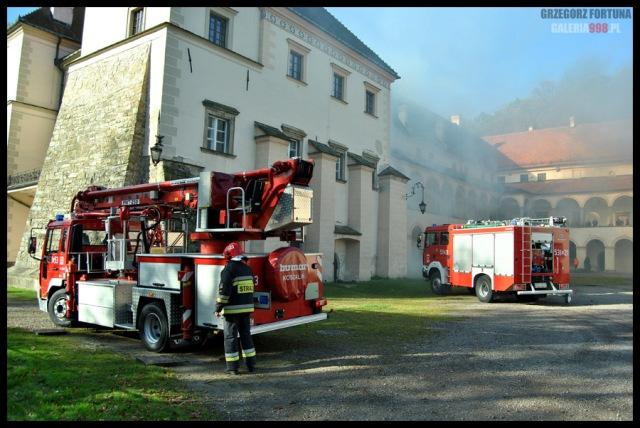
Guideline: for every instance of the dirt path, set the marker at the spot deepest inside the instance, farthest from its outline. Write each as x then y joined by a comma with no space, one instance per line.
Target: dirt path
505,360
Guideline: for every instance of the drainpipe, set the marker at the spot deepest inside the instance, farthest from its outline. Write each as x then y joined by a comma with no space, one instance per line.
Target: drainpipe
58,63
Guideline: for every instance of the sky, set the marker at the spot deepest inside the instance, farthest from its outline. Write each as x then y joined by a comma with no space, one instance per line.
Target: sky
469,60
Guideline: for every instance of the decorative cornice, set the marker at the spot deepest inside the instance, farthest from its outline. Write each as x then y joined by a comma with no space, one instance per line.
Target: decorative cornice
359,160
346,230
218,106
323,46
323,148
271,131
391,171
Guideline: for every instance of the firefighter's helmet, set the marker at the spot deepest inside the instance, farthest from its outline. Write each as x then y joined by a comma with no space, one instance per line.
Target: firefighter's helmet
233,250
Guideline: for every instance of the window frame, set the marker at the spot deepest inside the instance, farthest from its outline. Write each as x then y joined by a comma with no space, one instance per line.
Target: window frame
133,21
524,178
290,65
338,71
220,113
213,15
337,77
208,140
542,176
340,167
298,144
369,95
302,51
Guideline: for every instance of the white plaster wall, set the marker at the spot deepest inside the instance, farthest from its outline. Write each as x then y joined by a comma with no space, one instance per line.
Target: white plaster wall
342,206
42,77
243,31
104,26
16,218
14,53
33,136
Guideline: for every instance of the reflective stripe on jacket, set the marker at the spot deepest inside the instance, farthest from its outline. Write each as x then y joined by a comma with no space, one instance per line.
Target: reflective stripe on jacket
235,292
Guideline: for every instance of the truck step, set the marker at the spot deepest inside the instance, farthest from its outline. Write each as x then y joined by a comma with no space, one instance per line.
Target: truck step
127,326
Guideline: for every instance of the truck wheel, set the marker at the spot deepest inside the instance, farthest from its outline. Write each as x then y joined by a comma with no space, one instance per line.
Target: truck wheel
154,328
483,289
436,283
57,308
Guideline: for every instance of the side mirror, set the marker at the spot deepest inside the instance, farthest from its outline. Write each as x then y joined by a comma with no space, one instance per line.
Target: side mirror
32,245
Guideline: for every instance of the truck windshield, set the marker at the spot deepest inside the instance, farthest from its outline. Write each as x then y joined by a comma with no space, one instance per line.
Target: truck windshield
431,239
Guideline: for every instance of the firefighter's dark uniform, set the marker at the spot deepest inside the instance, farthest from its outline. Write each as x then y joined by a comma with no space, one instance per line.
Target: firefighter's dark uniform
235,303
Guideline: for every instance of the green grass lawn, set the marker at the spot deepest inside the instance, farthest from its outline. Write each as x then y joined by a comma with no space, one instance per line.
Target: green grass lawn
371,314
595,279
21,293
55,378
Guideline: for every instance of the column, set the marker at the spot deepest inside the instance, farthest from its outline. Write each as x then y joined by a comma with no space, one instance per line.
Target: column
320,234
359,218
581,253
609,259
392,227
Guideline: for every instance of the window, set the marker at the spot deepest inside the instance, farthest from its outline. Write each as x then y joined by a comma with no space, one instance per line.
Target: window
53,243
338,86
524,178
294,148
501,179
375,185
340,167
218,134
136,21
295,65
218,30
444,238
430,240
370,102
219,124
542,176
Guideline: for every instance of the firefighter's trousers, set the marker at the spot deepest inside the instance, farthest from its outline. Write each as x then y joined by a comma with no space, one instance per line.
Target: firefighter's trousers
234,325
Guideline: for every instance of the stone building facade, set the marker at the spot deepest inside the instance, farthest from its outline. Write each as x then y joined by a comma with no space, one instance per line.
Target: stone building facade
233,89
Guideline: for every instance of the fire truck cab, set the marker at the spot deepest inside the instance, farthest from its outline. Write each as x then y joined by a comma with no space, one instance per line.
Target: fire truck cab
525,257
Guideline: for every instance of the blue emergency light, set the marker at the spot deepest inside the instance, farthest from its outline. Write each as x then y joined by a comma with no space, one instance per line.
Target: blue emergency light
263,299
59,217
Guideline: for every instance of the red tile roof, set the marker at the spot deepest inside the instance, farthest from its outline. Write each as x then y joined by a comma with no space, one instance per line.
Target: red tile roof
585,143
574,185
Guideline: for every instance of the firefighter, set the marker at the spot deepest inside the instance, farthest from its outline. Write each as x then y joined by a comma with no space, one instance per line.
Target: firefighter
235,303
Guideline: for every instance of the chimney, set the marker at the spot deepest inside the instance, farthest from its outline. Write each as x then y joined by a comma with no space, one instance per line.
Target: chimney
572,122
62,14
455,119
531,129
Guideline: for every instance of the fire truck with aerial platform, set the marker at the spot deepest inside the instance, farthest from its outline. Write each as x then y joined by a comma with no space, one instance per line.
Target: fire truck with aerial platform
109,262
525,257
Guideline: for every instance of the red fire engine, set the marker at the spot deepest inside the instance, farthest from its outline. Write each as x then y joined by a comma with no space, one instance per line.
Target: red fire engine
526,257
110,263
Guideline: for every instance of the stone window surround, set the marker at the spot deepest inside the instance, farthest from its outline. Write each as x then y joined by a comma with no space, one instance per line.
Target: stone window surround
375,184
342,149
303,51
227,13
131,13
223,112
374,90
336,69
297,134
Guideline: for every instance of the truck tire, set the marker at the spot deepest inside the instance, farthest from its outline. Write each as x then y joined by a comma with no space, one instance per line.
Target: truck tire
483,289
57,307
154,328
436,283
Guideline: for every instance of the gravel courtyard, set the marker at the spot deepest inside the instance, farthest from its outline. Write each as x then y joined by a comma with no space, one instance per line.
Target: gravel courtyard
499,361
